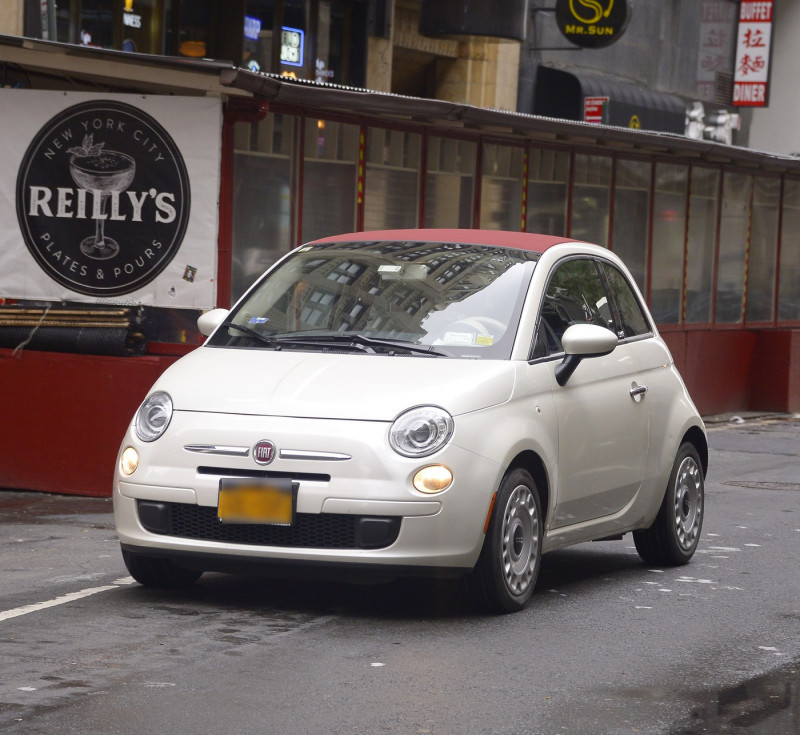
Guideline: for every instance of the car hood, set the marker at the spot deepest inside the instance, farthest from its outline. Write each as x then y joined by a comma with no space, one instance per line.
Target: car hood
331,386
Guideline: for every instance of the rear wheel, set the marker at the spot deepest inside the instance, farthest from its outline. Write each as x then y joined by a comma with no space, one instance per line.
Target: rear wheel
152,571
675,533
505,575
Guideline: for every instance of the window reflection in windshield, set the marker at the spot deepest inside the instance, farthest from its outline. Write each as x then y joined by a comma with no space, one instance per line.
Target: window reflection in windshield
466,298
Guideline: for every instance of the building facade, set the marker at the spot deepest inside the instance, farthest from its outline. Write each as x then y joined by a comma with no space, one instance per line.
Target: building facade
710,231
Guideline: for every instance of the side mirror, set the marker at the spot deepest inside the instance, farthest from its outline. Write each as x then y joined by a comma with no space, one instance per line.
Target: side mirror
581,341
209,321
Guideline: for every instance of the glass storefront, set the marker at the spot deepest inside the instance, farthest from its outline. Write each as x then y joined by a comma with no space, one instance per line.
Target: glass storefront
591,198
262,196
702,237
789,278
330,176
450,182
732,262
763,250
391,179
712,234
632,216
548,175
669,233
501,187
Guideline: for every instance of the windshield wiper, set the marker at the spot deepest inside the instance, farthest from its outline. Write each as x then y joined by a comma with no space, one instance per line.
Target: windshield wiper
362,342
353,340
269,341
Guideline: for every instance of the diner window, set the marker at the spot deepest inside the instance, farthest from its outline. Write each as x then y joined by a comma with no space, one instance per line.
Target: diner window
548,174
501,187
789,288
330,174
262,195
669,232
450,182
763,250
194,33
590,198
703,209
140,28
732,263
631,216
391,179
260,48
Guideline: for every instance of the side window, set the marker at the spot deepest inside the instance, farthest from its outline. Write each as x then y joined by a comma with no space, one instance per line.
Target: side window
632,319
575,295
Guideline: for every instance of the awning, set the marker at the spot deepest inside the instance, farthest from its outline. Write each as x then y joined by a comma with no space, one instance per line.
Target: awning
561,93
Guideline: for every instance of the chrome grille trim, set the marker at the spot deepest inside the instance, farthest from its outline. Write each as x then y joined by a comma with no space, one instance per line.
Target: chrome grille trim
217,449
313,456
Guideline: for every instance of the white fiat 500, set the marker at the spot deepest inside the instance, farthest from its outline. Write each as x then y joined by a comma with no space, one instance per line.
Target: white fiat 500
416,402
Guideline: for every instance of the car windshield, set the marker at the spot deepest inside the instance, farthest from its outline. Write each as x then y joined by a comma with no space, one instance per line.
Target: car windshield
388,297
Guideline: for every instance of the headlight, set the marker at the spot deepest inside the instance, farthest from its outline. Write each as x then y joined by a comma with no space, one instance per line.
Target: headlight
433,479
421,431
128,461
153,416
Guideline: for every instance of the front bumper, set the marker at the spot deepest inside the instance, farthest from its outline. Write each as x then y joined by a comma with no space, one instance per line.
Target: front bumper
361,510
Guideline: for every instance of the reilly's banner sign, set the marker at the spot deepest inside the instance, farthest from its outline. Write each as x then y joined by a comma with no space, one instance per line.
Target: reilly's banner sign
592,23
114,197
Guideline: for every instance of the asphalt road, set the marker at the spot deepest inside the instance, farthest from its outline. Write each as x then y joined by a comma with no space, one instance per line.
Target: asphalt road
608,645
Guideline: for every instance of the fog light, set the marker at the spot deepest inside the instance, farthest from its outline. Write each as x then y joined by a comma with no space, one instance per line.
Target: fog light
129,461
433,479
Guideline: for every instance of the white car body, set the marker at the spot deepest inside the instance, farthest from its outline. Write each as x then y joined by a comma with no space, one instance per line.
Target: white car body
602,452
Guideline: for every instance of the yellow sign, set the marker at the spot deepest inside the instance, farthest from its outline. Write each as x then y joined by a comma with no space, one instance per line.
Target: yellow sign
635,123
592,23
590,11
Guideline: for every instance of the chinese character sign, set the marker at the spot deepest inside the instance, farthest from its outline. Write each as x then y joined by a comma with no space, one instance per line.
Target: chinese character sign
751,73
716,44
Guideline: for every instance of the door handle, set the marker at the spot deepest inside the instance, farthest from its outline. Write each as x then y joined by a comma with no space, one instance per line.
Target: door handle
637,391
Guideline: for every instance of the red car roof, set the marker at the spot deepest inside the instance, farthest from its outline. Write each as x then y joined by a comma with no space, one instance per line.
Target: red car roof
502,238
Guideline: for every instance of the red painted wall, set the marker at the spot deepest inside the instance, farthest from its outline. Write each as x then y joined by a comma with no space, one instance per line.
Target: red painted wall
62,417
738,370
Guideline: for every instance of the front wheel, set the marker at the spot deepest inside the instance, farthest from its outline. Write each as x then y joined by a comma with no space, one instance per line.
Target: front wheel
506,572
153,571
675,533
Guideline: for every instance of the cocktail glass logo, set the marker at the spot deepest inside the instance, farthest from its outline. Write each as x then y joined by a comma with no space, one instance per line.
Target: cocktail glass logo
104,172
103,198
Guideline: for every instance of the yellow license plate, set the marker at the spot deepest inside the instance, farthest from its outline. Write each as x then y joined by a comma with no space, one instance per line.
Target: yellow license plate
256,501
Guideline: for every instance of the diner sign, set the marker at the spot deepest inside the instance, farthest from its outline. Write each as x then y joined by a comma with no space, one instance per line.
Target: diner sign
754,36
114,198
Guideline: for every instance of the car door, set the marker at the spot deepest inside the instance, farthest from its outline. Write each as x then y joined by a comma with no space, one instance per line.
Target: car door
603,426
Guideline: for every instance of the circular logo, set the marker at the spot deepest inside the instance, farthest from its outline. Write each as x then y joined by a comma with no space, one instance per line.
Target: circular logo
264,451
103,198
592,23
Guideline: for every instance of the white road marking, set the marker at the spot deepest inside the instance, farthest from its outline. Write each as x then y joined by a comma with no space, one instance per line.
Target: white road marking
63,599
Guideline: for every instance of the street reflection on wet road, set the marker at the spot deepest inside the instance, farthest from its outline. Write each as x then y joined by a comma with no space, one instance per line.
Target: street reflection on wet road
765,704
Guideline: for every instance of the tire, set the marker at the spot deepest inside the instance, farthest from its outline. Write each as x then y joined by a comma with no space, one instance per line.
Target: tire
505,575
675,533
152,571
